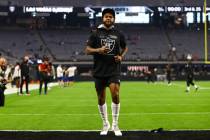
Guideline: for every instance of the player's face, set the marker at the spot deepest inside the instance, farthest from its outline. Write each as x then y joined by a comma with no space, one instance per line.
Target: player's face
108,20
46,62
3,62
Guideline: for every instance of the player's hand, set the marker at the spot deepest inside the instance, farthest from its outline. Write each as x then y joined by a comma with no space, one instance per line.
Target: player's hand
118,58
103,50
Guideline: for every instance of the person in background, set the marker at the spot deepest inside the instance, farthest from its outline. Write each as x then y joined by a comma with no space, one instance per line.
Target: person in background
150,75
3,80
59,72
168,74
44,74
189,70
8,73
71,75
65,76
24,75
16,76
51,75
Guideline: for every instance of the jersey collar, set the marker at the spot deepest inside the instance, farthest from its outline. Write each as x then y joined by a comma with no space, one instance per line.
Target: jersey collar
102,26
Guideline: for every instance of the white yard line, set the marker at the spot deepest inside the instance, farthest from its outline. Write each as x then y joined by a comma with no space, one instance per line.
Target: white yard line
148,105
122,114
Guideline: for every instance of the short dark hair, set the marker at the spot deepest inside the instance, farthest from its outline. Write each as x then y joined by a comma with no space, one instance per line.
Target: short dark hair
108,10
45,58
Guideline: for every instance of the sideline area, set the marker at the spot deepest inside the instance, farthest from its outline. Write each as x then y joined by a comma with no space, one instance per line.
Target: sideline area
127,135
34,86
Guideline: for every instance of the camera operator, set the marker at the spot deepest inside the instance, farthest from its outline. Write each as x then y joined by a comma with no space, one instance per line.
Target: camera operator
3,81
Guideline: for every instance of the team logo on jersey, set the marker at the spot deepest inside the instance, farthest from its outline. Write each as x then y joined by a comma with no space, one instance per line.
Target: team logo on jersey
110,43
113,36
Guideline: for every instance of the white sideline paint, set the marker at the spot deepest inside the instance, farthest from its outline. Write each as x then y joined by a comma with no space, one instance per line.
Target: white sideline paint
14,90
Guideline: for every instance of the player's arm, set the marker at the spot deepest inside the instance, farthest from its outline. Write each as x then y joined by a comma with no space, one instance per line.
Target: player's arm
123,52
89,50
124,49
39,67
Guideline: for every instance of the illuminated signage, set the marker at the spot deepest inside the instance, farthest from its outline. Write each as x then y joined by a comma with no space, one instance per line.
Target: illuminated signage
174,9
138,9
49,9
161,9
192,9
182,9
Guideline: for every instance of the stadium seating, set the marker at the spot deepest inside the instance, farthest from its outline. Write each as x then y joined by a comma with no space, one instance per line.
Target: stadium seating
16,43
144,42
188,42
104,2
107,2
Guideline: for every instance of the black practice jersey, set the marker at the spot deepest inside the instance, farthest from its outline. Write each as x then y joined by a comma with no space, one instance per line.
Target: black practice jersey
105,65
24,69
168,71
189,70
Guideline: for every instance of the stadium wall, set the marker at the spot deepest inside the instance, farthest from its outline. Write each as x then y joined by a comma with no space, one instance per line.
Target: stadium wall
138,71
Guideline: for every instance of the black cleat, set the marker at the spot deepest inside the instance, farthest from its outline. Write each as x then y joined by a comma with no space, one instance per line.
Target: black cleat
196,89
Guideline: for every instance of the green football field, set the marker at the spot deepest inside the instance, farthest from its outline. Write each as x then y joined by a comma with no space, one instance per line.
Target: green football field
143,107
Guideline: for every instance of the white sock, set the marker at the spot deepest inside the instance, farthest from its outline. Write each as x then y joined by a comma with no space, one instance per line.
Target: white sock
195,86
103,112
188,88
115,113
